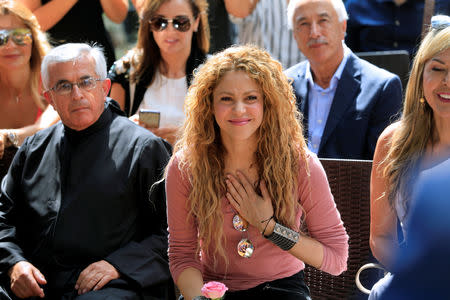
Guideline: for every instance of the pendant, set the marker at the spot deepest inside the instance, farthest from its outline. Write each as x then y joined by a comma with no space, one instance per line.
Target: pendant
239,224
245,248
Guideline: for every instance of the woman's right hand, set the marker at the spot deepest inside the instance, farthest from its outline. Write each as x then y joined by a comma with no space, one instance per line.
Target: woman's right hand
167,133
135,119
252,207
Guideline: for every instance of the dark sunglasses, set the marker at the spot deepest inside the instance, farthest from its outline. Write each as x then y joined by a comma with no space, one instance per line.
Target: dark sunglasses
20,36
180,23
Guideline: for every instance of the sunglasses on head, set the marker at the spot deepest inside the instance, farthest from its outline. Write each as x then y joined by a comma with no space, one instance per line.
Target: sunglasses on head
440,21
20,36
180,23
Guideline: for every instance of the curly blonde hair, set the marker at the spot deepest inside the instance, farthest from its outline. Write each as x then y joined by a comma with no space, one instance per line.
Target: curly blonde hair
40,45
416,126
280,145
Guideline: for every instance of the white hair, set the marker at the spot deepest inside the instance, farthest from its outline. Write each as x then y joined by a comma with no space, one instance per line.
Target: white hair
72,52
338,5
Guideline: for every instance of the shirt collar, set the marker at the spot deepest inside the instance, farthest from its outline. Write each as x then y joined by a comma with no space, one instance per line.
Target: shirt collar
337,75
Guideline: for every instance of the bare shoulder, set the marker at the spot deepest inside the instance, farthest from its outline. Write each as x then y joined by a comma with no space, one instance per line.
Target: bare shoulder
384,143
387,133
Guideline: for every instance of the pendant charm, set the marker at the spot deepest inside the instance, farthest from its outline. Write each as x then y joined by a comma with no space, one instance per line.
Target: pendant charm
239,224
245,248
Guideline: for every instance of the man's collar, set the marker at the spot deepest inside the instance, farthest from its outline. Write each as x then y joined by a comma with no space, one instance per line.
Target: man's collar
337,74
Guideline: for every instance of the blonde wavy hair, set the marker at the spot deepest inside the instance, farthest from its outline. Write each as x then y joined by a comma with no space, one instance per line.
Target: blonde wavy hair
40,45
280,146
416,126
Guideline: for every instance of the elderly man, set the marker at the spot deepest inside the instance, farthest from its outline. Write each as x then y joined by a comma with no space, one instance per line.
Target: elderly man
346,101
81,214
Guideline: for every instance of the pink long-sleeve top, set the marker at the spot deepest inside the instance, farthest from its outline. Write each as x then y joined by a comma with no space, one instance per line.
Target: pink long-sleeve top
268,261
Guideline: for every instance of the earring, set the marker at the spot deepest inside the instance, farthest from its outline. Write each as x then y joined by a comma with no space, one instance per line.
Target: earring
422,100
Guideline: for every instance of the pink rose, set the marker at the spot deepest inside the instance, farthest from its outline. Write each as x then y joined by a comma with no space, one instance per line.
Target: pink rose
214,290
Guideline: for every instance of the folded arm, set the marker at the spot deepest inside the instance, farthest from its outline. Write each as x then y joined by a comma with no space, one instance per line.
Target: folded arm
50,13
48,118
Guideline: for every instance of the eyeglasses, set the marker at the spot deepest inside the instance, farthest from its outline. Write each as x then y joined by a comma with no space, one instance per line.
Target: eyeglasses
440,21
180,23
245,247
20,36
66,87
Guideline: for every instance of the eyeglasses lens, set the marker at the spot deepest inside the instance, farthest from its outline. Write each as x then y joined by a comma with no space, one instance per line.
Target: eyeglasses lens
20,36
180,23
66,87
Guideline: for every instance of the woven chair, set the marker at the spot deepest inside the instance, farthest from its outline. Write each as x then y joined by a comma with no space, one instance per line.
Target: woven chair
6,160
350,184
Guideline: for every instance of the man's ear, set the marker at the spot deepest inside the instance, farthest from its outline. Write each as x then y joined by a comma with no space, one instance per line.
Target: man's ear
49,99
344,27
106,86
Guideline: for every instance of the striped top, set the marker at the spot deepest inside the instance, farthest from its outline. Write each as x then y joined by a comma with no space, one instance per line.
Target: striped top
267,27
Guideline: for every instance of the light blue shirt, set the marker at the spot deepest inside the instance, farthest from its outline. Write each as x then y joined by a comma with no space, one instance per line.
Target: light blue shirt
319,103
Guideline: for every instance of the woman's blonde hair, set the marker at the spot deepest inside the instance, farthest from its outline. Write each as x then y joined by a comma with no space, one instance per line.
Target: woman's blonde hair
416,126
40,44
147,54
280,142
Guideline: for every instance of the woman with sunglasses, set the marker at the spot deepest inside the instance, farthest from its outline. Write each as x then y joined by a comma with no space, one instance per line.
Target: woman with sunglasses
173,40
419,141
22,47
242,187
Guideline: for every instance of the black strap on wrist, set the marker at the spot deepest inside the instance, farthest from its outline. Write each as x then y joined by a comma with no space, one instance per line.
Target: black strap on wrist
265,227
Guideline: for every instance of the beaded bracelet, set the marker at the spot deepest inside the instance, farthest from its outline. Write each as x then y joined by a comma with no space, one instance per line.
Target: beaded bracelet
283,237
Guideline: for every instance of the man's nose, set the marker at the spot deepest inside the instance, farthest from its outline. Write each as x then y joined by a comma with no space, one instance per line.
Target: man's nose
315,30
76,92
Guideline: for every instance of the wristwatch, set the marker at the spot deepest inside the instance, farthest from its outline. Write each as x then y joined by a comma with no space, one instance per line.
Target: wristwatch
13,138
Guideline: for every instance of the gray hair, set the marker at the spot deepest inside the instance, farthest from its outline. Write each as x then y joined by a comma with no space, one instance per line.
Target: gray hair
72,52
338,5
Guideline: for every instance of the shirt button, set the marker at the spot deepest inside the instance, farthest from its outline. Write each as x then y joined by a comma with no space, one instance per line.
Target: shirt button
395,44
315,146
322,93
319,121
397,23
